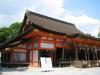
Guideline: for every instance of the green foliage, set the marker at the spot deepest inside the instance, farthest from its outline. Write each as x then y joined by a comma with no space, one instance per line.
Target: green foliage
7,33
14,29
4,33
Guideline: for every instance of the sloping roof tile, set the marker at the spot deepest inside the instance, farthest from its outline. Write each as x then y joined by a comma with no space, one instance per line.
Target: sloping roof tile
52,24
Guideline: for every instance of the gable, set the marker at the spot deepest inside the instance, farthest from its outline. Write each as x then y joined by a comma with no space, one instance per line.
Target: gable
25,25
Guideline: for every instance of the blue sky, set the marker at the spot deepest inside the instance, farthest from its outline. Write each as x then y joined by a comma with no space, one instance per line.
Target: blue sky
83,13
91,7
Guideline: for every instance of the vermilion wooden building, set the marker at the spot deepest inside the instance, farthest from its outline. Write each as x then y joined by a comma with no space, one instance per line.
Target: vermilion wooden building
42,36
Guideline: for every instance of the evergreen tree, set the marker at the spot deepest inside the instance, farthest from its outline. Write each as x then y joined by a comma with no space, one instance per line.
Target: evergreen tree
7,33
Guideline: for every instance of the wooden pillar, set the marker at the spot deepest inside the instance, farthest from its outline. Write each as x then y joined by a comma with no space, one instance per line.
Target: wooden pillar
27,54
54,57
6,57
32,50
88,56
76,51
2,57
94,54
39,63
97,62
88,53
85,52
32,60
39,42
63,54
12,56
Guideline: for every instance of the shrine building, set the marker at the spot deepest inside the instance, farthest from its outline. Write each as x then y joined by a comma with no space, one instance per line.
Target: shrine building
43,36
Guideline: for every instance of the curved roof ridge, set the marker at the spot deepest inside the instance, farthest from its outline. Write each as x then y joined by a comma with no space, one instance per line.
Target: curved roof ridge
52,24
47,17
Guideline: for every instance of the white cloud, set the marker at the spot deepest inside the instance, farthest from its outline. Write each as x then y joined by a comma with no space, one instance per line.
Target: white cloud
6,20
54,9
51,8
47,7
85,23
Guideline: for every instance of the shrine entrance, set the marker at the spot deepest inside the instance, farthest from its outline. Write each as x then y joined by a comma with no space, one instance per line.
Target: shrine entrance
58,56
55,55
45,53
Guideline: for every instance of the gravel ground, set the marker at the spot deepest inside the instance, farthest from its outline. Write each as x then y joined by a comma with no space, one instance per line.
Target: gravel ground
53,71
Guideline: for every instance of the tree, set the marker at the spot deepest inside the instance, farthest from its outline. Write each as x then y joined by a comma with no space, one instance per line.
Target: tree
14,29
4,33
7,33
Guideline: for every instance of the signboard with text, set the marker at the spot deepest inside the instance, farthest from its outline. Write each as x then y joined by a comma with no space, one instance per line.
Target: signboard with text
46,63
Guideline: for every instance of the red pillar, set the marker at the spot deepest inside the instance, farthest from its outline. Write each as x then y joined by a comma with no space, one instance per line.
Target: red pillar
27,54
39,42
32,57
32,52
